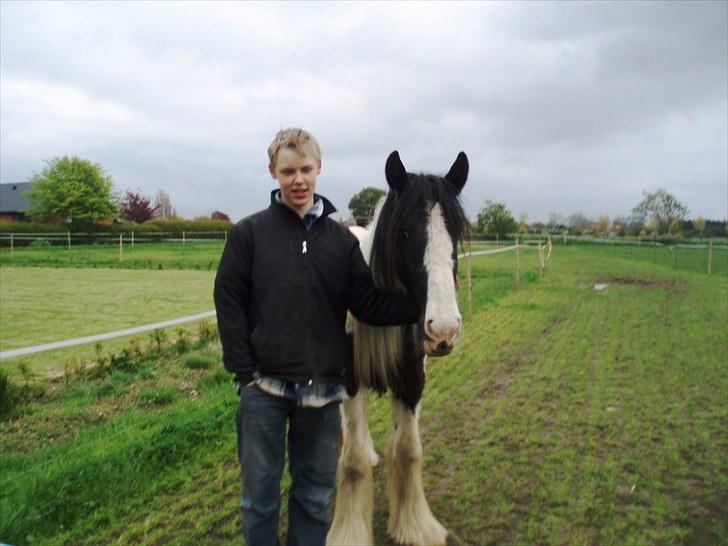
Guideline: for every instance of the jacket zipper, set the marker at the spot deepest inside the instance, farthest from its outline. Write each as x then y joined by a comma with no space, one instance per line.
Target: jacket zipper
304,252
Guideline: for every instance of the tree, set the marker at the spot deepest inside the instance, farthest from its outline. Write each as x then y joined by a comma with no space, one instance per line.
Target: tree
556,221
72,189
164,207
523,223
661,207
699,225
578,223
675,226
362,205
136,207
217,215
495,221
602,224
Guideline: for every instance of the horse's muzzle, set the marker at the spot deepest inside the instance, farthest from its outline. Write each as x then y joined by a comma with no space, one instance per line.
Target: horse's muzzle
433,348
440,336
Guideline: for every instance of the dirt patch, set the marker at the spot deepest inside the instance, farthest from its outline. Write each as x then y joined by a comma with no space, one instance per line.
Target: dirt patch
553,323
646,282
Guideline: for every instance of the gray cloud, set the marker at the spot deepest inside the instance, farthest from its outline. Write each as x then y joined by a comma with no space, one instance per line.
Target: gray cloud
560,106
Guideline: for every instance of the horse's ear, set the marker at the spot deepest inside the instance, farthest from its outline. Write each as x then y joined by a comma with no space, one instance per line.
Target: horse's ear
395,172
458,174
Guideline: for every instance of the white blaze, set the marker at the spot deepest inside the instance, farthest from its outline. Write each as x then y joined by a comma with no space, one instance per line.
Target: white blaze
442,306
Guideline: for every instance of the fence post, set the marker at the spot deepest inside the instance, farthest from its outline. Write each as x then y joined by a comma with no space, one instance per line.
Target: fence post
183,237
132,239
121,247
12,244
518,263
69,240
551,249
710,256
674,258
540,261
470,281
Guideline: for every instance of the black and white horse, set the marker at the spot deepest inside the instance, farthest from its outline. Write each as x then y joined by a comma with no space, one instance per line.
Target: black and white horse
411,247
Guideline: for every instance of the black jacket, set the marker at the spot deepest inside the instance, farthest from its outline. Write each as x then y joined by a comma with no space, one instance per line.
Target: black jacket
282,292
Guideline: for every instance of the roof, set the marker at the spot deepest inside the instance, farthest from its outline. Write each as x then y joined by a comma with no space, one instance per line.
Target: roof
12,198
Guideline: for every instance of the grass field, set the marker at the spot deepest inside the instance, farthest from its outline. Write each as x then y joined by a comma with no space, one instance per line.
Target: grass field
203,255
41,305
566,415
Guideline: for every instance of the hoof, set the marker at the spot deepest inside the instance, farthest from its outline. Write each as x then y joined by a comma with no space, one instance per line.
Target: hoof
428,532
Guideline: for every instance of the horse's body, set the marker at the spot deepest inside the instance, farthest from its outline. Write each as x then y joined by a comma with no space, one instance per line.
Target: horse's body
410,247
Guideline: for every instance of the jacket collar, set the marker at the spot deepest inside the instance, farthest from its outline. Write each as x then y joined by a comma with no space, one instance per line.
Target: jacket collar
329,208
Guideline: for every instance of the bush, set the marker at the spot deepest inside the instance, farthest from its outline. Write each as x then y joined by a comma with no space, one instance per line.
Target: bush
40,243
124,361
217,378
9,396
206,332
158,396
12,395
200,361
182,343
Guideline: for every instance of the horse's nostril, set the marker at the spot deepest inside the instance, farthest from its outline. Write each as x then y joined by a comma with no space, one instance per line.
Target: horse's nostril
441,347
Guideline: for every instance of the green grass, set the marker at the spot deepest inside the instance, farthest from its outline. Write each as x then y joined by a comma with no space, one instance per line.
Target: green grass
565,415
41,305
670,257
202,255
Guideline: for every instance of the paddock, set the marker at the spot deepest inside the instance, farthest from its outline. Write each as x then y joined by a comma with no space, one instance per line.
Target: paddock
565,414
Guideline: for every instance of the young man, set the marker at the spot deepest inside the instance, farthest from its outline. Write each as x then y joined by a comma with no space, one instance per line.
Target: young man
286,279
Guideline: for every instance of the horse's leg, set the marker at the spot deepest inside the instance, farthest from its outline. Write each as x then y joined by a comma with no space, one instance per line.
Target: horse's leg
410,519
352,523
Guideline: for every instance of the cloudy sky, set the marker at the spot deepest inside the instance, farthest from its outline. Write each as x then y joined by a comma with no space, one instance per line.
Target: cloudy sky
561,107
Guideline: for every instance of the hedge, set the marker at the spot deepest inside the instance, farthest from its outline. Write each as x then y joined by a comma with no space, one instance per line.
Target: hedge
173,226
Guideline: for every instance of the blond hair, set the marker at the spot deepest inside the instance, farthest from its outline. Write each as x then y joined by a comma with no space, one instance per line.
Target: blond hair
296,139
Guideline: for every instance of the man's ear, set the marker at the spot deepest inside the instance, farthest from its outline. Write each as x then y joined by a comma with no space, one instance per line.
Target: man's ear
319,167
272,171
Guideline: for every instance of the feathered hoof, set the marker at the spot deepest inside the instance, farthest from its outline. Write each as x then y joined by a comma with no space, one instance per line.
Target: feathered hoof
373,457
422,532
355,533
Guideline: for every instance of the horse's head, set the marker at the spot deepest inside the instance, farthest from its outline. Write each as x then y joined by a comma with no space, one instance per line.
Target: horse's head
415,246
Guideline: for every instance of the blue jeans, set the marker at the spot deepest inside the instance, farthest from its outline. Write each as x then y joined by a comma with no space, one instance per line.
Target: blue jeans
312,458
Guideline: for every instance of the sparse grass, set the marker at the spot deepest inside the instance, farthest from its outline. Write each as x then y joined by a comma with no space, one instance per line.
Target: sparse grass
565,415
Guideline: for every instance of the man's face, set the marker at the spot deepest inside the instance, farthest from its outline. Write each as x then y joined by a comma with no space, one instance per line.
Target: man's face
296,173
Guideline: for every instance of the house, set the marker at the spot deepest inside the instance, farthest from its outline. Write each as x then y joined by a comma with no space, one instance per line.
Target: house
13,202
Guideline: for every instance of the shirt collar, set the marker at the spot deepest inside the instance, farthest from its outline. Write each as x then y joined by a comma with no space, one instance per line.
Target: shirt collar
316,210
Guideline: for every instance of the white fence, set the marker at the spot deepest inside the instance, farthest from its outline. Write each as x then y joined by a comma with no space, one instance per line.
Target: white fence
545,251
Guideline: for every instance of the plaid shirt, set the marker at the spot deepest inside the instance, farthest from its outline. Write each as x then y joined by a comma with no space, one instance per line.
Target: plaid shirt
311,395
314,395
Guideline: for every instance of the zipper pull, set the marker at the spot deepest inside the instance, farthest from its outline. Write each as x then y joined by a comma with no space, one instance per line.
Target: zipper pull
304,248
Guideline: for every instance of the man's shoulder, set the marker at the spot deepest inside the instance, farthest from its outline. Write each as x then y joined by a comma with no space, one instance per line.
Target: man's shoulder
253,219
339,230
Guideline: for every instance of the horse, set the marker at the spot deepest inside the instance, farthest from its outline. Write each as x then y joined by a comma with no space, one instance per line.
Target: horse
411,247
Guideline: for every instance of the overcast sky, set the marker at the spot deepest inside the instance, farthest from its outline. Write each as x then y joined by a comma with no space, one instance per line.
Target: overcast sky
561,107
